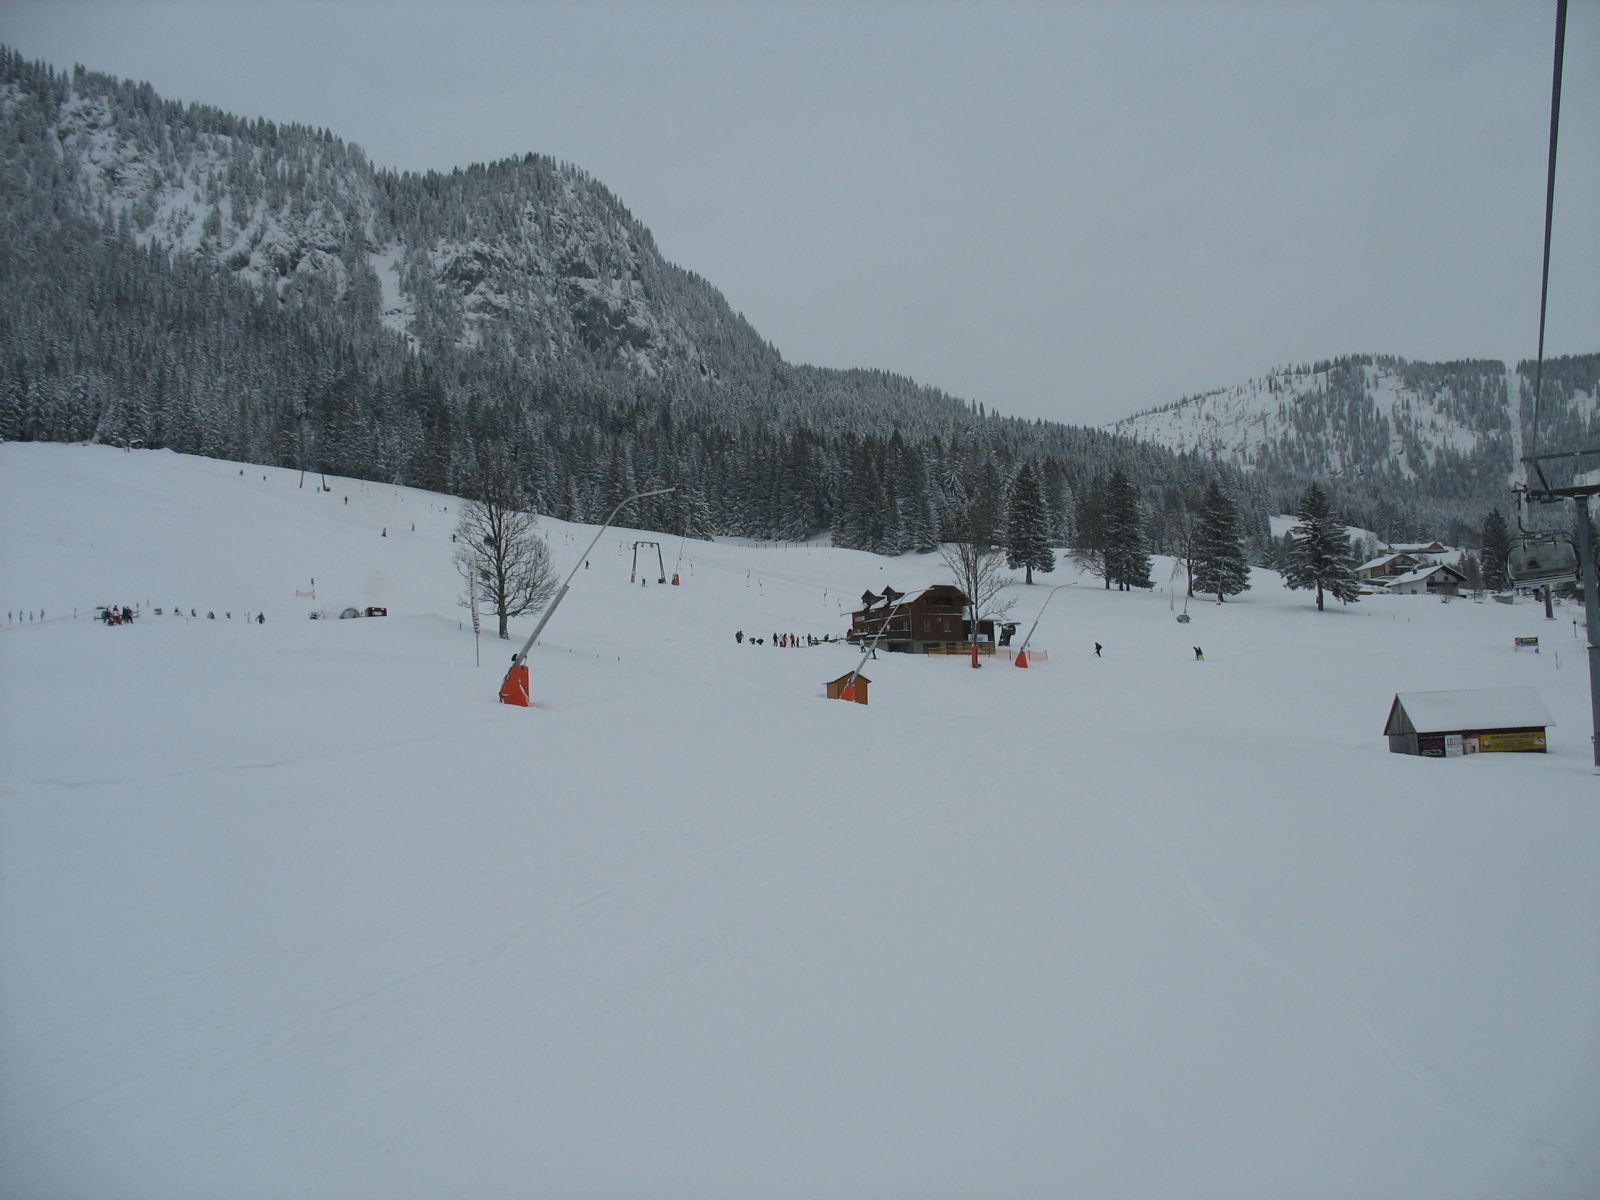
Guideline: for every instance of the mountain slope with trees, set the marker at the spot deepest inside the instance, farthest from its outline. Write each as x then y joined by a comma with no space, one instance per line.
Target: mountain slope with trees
176,276
1405,447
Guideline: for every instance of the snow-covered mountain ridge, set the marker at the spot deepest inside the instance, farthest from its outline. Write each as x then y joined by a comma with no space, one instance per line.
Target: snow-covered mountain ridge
1450,426
531,250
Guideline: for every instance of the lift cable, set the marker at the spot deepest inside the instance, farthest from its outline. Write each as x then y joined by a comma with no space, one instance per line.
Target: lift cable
1549,212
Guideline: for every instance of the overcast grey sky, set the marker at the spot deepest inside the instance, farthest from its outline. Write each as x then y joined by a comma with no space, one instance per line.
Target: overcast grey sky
1063,210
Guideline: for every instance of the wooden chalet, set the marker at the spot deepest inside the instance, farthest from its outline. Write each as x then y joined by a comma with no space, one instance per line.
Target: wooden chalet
932,619
1477,721
1386,567
1440,579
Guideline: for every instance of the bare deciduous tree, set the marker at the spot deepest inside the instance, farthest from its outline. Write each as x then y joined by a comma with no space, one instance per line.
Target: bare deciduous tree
512,561
979,573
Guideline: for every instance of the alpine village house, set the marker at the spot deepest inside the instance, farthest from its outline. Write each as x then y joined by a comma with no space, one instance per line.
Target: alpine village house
932,619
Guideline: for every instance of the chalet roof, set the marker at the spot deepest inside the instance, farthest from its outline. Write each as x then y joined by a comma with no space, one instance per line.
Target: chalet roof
904,600
1417,547
1423,572
1475,708
1383,560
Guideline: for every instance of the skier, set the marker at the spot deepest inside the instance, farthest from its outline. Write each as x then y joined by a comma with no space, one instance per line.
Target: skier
261,618
1199,654
739,637
1097,649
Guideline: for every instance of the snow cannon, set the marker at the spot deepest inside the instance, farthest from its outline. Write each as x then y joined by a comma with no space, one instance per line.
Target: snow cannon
514,688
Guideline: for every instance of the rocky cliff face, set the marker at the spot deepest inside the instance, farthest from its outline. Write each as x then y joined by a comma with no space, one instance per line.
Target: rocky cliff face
531,252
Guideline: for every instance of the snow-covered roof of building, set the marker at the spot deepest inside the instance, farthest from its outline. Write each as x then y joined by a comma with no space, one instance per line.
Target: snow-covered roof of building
1422,573
1382,560
1418,547
1475,708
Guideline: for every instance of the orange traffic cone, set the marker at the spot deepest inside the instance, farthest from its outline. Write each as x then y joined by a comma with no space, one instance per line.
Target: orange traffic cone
514,689
675,579
1022,658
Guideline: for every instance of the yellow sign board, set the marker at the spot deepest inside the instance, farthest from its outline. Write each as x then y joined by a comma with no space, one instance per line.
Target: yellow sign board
1530,739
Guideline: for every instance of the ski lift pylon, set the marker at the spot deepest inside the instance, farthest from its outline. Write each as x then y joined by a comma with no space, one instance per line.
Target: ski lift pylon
661,562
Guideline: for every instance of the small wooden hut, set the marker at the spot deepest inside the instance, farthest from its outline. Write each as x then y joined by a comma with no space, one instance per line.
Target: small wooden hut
1476,721
836,687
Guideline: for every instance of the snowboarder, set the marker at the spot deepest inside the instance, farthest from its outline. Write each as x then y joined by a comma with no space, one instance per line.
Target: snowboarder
261,618
739,637
1199,654
1097,649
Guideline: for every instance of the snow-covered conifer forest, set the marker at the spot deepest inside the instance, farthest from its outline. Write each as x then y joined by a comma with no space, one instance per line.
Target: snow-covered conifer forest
184,278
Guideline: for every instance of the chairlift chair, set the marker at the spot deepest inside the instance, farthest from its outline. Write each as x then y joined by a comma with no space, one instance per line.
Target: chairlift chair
1538,559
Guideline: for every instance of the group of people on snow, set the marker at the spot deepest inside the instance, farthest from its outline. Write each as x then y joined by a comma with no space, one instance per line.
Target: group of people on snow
782,640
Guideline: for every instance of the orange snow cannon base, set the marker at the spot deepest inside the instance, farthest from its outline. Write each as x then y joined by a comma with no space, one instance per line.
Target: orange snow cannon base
514,690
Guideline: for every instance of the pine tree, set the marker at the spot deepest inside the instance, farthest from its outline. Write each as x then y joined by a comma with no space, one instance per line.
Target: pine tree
1089,532
1127,556
1027,534
1219,563
1319,553
1496,549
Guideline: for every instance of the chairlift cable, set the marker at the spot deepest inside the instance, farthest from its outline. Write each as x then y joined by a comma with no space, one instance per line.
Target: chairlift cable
1549,213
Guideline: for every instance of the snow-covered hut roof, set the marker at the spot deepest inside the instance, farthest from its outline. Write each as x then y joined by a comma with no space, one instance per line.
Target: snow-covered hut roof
1383,560
1473,709
1422,573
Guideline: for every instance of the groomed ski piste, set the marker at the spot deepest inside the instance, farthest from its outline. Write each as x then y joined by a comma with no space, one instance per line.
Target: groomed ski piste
297,908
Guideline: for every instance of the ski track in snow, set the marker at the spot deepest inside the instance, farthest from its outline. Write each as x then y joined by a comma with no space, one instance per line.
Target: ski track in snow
1526,1142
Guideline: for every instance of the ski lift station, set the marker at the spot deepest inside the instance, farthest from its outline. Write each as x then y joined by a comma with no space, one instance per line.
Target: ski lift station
1477,721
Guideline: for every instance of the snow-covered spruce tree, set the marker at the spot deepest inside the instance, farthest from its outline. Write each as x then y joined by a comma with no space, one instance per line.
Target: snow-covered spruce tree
1319,551
1126,554
1220,568
1496,549
499,542
1027,531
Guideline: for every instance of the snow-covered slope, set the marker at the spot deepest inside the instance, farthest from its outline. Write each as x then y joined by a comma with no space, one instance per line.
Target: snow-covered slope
298,909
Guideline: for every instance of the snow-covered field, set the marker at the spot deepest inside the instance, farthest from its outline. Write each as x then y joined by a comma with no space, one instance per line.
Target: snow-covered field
297,909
